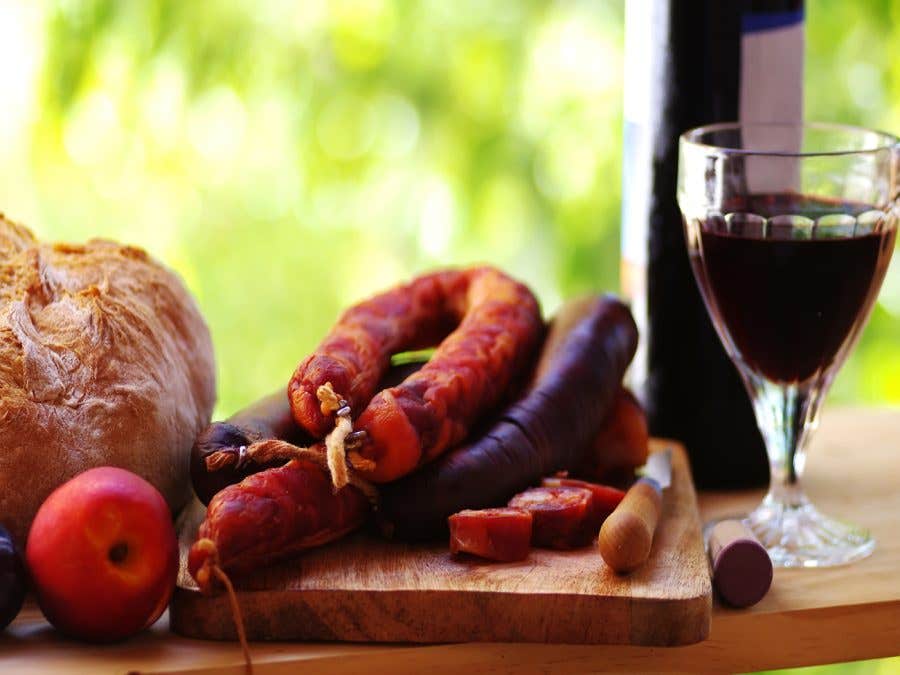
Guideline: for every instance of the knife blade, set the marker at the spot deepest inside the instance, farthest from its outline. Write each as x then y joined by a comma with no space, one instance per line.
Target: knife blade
626,537
658,468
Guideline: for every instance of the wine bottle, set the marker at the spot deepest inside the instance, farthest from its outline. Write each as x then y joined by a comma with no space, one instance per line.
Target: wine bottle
688,64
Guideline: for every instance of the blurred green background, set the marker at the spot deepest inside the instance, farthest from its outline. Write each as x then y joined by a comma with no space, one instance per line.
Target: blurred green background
290,157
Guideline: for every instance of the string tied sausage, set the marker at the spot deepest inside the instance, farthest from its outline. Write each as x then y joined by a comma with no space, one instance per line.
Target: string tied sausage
488,326
331,454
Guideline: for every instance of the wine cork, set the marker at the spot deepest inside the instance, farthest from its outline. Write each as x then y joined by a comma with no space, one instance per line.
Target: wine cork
742,569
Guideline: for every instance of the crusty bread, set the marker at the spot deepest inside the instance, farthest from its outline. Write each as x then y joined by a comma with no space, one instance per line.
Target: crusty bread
104,360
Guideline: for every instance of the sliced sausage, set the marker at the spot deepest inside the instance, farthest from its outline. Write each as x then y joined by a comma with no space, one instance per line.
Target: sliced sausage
502,534
562,517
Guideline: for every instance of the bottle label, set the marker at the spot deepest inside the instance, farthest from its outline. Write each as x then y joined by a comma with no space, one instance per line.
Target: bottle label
772,91
772,66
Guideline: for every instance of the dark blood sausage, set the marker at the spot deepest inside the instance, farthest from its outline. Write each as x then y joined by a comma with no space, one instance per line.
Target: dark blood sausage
497,324
494,534
541,433
271,516
270,417
561,517
606,498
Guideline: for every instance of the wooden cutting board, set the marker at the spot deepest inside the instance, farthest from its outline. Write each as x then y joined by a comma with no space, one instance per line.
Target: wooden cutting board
365,589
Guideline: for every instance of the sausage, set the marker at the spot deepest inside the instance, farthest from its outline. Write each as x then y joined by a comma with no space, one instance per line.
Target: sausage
494,534
468,374
268,418
356,352
542,432
569,315
499,328
606,498
283,509
621,446
270,516
562,517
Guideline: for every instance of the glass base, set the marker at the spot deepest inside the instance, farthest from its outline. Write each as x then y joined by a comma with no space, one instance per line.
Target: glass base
800,536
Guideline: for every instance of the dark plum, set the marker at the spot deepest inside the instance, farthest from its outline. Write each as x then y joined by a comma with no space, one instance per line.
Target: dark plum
13,582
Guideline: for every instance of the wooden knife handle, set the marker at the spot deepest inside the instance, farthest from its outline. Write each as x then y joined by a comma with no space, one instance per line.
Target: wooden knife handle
627,534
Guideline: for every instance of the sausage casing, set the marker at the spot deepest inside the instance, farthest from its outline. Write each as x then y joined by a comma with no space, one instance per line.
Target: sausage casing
468,375
272,515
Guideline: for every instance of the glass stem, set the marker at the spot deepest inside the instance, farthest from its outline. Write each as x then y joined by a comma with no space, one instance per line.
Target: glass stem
794,533
786,415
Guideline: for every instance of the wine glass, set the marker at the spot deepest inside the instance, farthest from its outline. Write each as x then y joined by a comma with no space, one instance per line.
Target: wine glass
790,229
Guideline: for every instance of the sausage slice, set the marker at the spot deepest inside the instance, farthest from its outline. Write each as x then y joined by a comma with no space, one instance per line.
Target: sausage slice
502,534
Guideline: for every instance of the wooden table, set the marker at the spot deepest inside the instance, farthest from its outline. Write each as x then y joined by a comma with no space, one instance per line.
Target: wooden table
809,617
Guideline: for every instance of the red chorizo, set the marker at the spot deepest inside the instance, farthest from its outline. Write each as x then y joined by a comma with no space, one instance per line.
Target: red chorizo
494,534
498,329
562,517
356,353
271,516
605,497
275,513
469,373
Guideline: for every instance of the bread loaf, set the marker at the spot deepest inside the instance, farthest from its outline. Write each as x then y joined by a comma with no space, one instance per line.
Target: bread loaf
104,360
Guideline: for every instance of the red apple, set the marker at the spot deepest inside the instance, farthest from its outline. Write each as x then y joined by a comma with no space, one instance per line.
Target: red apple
103,555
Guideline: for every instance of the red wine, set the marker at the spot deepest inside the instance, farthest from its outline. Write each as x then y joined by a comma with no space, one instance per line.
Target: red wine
687,64
790,297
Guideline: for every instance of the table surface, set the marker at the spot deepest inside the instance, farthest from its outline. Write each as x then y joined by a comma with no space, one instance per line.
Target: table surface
809,616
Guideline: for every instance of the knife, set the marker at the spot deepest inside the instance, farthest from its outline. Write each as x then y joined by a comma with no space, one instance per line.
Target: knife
627,534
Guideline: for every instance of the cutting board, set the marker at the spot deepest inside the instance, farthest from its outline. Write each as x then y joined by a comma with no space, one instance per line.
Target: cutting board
366,589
